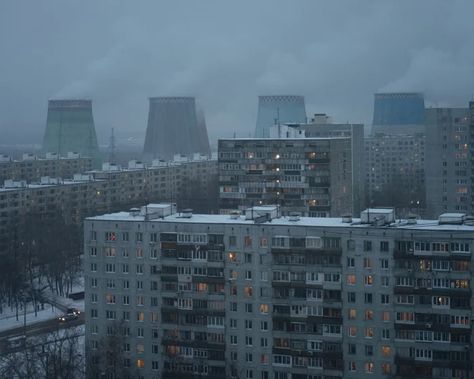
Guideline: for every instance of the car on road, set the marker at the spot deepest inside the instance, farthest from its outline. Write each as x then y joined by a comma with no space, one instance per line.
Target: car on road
71,314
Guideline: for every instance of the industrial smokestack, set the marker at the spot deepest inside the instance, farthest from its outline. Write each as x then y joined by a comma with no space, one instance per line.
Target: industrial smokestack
173,128
70,128
278,109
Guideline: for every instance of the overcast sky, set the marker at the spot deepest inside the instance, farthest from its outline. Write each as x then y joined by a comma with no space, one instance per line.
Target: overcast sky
226,53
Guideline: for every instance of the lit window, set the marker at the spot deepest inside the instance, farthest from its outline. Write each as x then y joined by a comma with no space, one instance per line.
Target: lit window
385,316
369,367
369,314
351,280
140,363
352,331
386,351
368,280
263,308
352,313
369,332
232,256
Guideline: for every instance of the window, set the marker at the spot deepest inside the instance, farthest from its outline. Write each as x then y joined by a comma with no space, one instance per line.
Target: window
385,280
368,298
385,316
140,269
384,246
264,326
386,351
93,251
351,280
263,276
352,314
385,334
385,299
369,332
384,264
350,262
125,268
93,267
94,298
351,297
367,263
386,368
369,314
264,308
233,340
248,341
248,307
352,349
369,367
140,363
139,252
248,258
263,342
248,357
233,323
248,324
369,350
94,282
352,331
248,275
139,236
368,280
367,245
352,366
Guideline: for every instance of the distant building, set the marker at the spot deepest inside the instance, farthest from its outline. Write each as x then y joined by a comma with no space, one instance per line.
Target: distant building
31,168
70,127
448,161
268,297
278,109
174,127
395,171
398,113
321,126
395,152
312,176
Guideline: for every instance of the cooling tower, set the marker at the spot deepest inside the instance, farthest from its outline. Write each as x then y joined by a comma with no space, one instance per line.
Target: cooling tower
70,127
173,128
278,109
202,133
398,112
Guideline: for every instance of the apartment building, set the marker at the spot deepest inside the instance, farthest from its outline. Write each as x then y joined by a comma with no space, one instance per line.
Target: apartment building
311,176
31,168
265,296
396,170
194,183
448,160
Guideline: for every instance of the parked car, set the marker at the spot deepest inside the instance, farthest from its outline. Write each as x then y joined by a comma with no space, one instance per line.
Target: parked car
71,314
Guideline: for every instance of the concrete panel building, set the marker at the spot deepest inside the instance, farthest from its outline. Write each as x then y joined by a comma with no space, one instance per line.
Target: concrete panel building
70,128
174,128
278,109
31,167
448,161
322,126
311,176
265,296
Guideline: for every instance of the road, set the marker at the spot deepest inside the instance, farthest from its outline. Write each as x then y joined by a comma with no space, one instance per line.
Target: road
35,329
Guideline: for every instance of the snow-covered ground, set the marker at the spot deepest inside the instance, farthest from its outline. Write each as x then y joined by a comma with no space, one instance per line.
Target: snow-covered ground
8,316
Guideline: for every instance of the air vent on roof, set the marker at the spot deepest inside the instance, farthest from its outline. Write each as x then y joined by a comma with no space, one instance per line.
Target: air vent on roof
134,212
451,218
294,216
187,213
411,220
235,215
347,218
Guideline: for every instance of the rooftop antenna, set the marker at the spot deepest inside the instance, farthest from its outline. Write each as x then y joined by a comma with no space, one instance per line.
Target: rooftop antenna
112,147
234,134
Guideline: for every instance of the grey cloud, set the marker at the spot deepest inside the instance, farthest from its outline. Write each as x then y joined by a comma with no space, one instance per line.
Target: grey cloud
226,53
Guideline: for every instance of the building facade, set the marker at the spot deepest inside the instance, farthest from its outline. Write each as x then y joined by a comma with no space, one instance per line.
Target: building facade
448,161
312,176
265,296
395,171
321,126
31,168
192,182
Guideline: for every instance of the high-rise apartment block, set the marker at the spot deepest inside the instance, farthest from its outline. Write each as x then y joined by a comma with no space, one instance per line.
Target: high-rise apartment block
174,127
448,160
395,152
278,109
396,170
70,127
321,126
31,168
182,295
311,176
